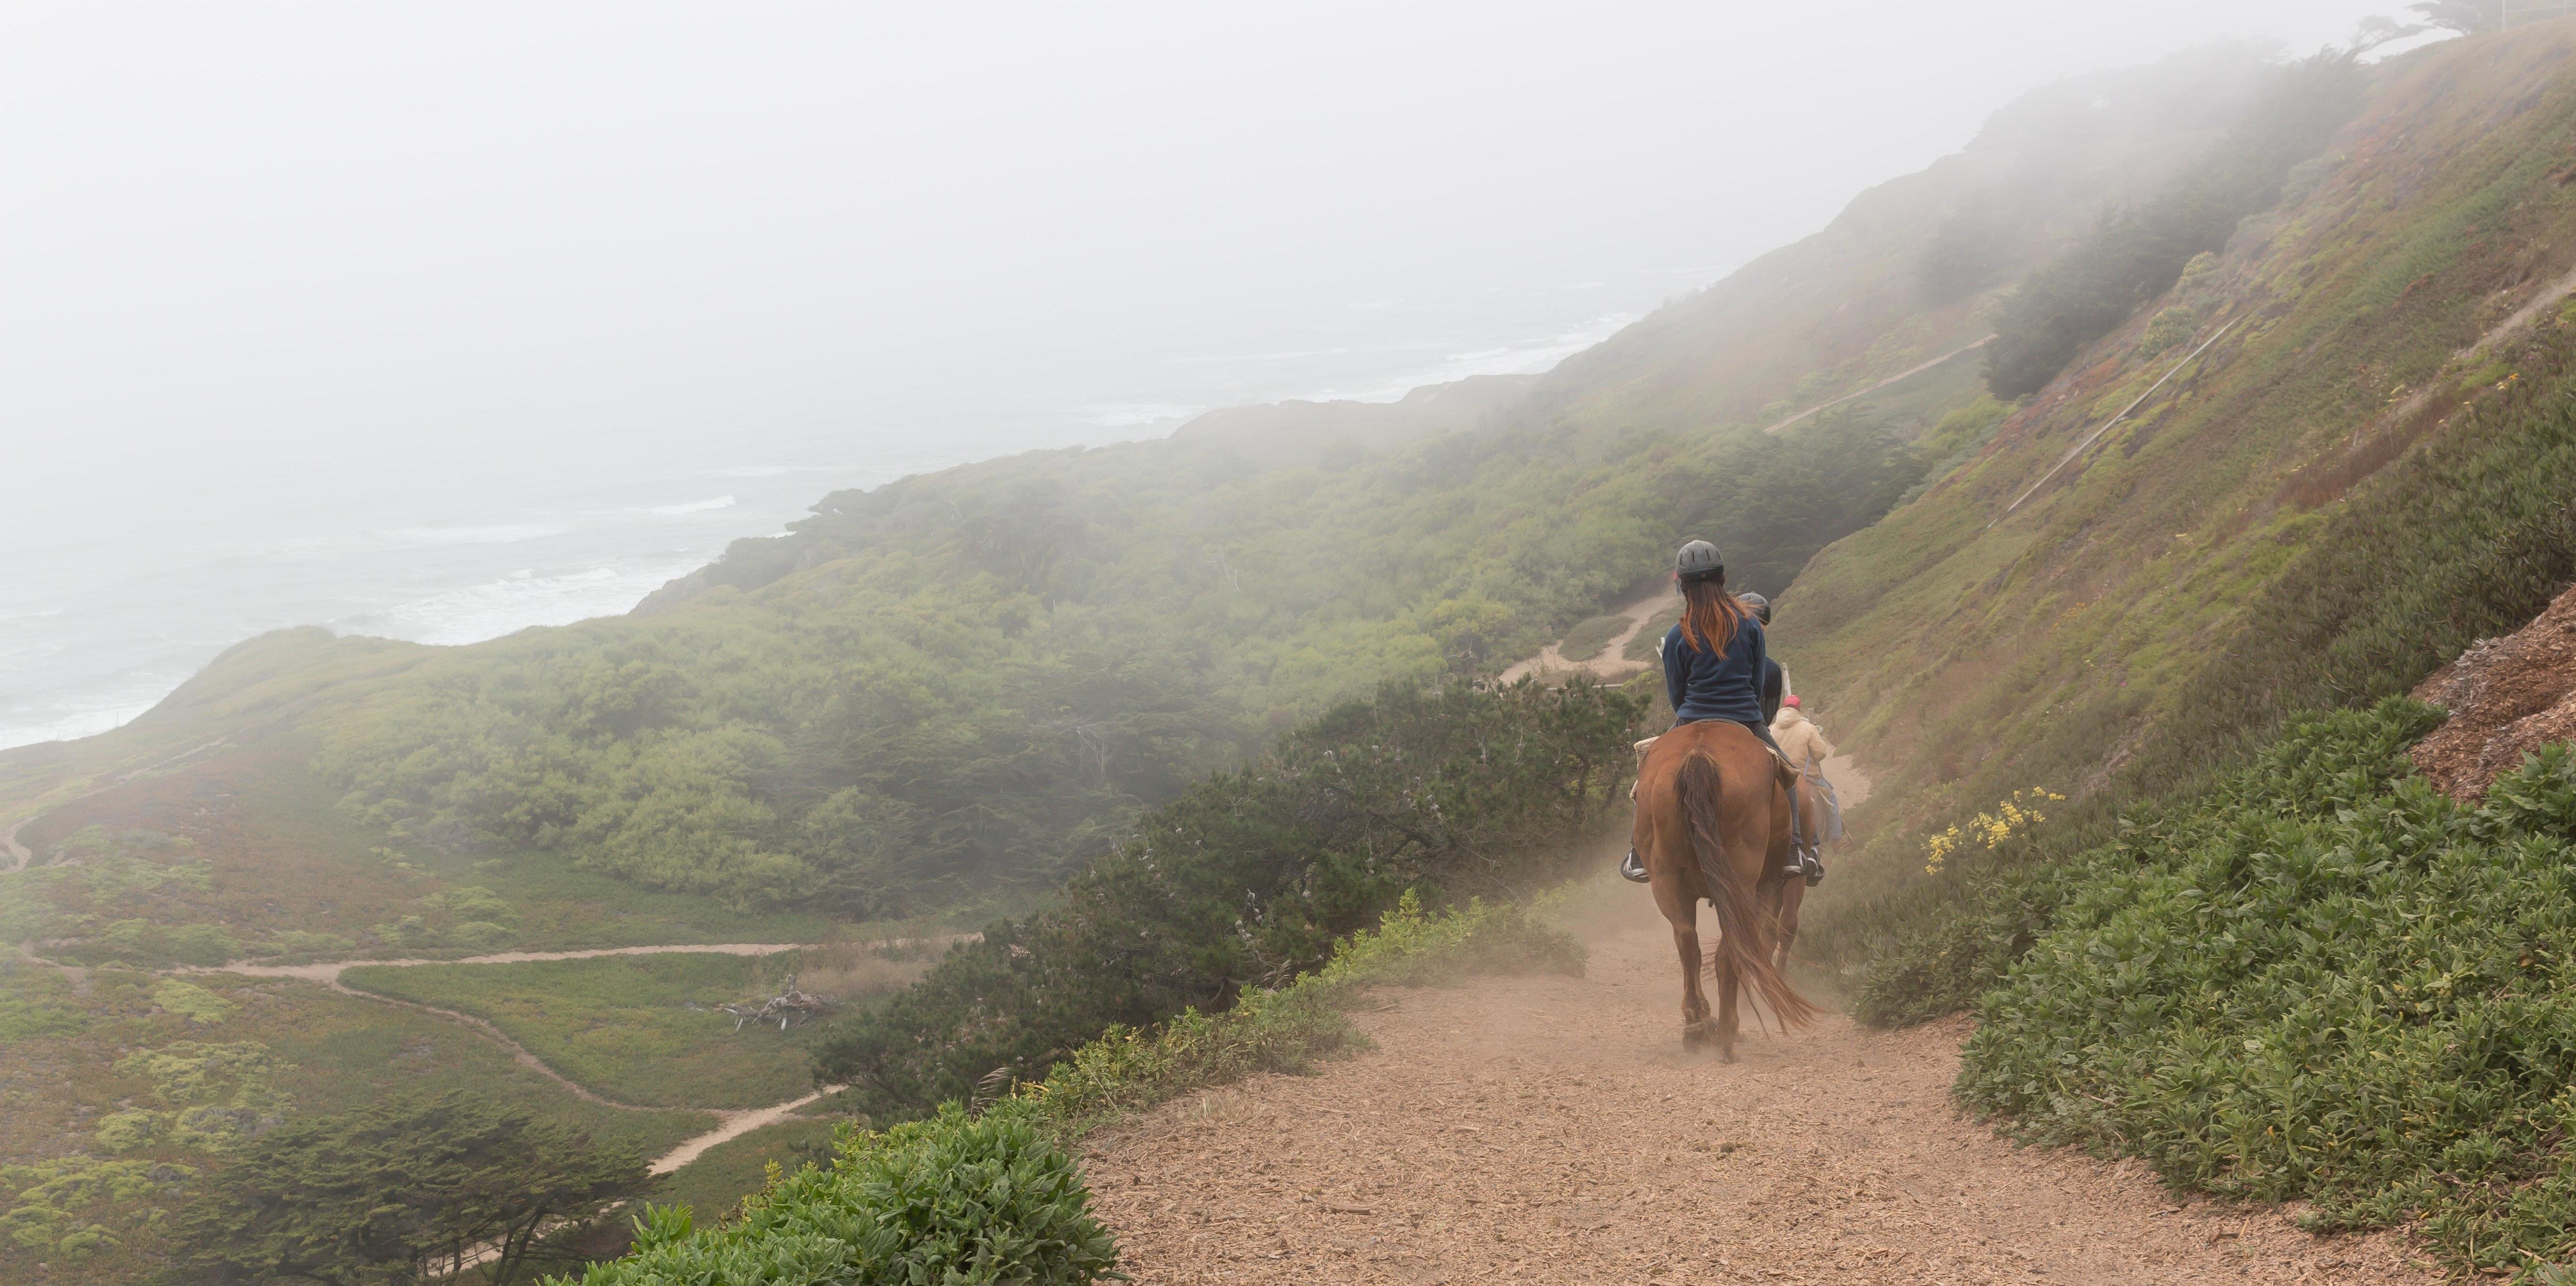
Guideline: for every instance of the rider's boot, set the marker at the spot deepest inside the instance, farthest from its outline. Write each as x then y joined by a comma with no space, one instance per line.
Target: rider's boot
1799,857
1631,868
1813,866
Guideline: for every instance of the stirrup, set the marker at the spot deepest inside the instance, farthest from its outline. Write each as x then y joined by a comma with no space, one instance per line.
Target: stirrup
1814,868
1633,870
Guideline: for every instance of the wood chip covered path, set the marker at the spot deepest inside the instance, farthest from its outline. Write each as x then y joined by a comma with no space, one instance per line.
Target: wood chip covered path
1552,1130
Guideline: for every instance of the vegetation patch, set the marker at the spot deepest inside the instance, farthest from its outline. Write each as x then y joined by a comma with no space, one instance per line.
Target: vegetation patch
2323,980
638,1029
956,1198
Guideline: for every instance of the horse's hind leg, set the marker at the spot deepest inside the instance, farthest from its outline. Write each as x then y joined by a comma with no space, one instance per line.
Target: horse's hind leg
1793,893
1685,923
1728,979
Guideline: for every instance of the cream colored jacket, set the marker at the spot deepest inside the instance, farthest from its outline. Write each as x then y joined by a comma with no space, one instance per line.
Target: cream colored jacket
1800,739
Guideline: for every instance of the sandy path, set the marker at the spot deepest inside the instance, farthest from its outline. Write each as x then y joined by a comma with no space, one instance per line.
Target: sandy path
1608,665
1851,785
1898,378
735,1124
1552,1130
18,854
329,971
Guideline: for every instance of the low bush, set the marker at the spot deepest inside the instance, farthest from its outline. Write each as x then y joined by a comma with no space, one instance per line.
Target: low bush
954,1199
2323,980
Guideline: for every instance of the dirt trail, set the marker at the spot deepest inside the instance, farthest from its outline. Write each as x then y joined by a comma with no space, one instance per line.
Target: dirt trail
328,971
18,854
1609,664
1552,1130
737,1122
1899,377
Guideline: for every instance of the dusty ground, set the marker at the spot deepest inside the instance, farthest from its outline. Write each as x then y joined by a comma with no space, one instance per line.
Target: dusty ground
1552,1130
2507,697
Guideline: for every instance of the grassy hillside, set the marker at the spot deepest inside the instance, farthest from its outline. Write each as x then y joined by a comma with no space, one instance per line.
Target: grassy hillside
2340,492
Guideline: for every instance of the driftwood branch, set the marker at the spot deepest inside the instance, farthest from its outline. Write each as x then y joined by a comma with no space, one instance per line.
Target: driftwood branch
789,1007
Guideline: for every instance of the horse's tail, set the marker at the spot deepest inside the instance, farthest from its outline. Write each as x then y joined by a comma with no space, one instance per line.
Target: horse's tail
1739,921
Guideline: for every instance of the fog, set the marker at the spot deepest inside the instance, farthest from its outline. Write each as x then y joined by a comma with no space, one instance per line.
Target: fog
338,312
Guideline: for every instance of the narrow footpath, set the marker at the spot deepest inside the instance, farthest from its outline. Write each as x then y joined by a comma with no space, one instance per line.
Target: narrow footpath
1610,664
1552,1130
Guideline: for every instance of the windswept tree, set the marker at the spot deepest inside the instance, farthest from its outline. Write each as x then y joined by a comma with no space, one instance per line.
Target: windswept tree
2471,16
406,1191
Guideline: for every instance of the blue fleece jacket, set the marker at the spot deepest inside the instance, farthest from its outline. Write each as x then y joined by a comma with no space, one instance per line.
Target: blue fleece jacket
1705,685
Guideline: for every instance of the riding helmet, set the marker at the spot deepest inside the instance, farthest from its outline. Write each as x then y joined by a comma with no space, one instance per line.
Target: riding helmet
1761,606
1698,560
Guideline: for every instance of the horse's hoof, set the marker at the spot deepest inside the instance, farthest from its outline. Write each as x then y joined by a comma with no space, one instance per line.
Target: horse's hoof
1726,1056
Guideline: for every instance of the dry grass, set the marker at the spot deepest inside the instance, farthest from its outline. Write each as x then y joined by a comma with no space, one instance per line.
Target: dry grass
853,971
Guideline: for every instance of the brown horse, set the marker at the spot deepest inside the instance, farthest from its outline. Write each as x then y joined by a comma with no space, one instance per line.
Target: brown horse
1713,823
1792,891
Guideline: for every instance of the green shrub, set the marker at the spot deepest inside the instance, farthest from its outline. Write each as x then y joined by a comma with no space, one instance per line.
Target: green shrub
1999,904
2323,980
956,1199
2170,327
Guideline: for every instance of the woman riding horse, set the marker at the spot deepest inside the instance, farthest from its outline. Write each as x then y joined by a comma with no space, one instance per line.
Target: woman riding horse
1714,808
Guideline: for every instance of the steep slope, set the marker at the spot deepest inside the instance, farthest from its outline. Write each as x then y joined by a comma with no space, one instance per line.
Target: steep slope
2320,506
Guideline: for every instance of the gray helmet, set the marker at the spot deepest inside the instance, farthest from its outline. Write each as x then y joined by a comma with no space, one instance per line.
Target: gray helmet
1698,560
1761,606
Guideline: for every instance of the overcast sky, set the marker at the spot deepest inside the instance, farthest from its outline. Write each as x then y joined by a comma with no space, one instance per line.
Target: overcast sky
260,251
